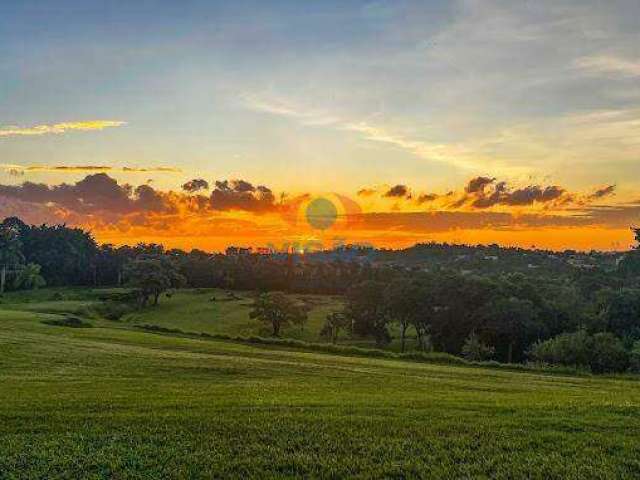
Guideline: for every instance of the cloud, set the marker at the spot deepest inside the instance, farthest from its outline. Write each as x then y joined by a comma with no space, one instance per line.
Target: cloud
58,128
242,195
195,185
239,209
455,155
97,193
398,191
483,192
478,184
602,192
85,168
426,198
603,64
366,192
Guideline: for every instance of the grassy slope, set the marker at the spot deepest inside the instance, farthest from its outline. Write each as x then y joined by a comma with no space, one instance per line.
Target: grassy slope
105,402
192,310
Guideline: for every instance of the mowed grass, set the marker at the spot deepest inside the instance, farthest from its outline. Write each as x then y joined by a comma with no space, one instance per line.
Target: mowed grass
112,402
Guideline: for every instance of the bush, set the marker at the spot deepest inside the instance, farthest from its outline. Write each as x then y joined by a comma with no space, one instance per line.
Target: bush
601,353
634,358
608,354
571,349
113,310
475,350
72,322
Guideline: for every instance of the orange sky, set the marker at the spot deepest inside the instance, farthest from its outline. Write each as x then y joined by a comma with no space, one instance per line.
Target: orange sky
214,215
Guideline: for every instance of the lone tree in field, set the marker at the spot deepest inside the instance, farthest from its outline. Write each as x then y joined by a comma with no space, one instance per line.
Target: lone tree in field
151,276
278,310
10,252
335,322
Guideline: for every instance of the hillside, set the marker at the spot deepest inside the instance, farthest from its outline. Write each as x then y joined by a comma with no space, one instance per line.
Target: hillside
111,401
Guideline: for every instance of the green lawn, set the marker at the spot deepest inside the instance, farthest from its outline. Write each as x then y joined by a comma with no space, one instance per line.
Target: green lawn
112,402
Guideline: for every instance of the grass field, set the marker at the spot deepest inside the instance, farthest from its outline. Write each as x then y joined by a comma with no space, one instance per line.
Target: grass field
114,402
194,310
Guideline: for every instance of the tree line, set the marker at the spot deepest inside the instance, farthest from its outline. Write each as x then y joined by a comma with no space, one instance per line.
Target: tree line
548,316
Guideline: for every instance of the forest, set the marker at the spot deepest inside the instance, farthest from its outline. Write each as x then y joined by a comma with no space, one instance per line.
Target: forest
481,303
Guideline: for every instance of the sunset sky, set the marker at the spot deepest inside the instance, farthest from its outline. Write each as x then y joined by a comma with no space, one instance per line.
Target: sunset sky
514,122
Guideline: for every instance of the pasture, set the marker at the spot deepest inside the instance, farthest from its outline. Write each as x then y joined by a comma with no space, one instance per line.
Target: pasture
111,401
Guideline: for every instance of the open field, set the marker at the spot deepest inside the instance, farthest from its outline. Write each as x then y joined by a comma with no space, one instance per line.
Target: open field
193,310
110,401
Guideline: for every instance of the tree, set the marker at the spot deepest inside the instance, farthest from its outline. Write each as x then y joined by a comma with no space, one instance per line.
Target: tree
67,255
511,319
368,311
403,301
29,277
278,310
334,322
608,354
619,311
152,275
475,350
10,252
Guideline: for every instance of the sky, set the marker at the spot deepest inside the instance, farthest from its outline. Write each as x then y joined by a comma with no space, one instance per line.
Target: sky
510,122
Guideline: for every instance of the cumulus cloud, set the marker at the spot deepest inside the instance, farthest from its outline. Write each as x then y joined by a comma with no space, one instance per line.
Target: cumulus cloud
486,192
242,195
97,193
195,185
398,191
478,184
58,128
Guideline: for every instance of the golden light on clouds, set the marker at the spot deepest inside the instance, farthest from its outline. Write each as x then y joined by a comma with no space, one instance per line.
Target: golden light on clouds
58,128
238,212
20,169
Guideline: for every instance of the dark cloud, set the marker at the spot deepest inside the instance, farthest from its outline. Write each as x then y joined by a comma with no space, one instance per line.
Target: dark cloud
243,186
426,198
478,184
93,194
148,199
242,195
397,191
501,195
444,221
603,192
195,185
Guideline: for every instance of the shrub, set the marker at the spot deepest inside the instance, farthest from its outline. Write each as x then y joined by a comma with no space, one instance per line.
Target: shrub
608,354
573,349
113,310
634,357
72,322
601,353
475,350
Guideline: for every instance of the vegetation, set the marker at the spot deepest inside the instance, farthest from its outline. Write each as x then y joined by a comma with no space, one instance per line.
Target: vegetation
278,310
477,302
152,275
111,402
